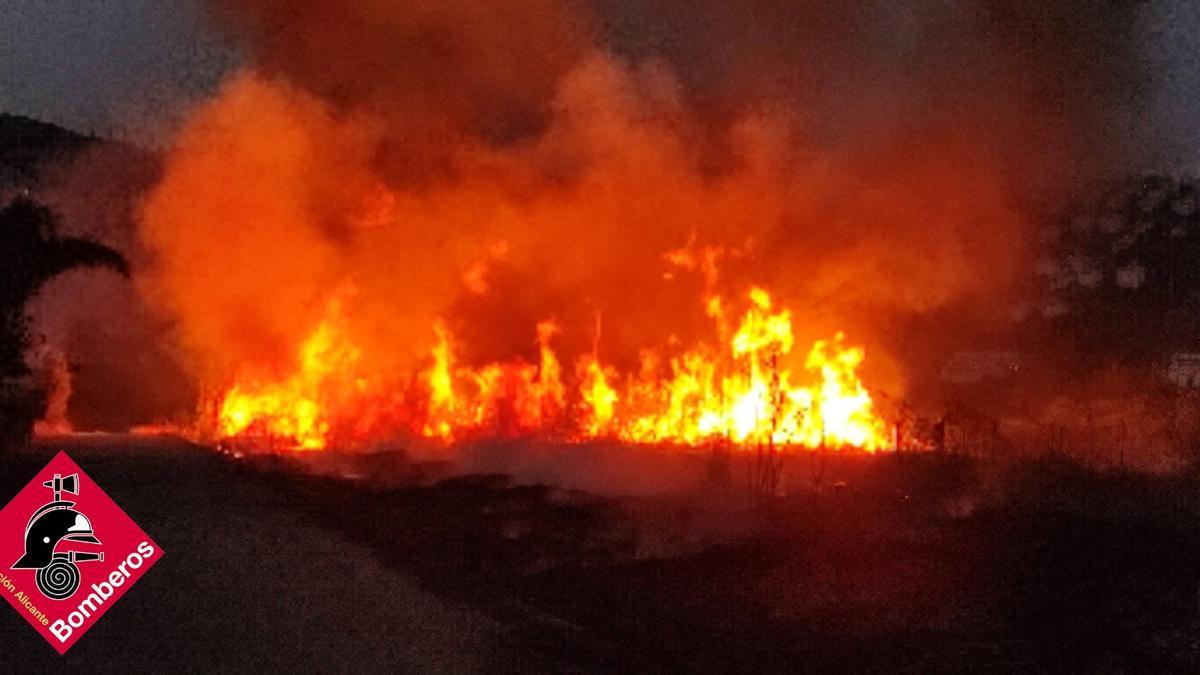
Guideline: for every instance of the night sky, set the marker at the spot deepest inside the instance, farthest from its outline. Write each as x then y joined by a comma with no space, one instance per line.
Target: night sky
107,66
127,68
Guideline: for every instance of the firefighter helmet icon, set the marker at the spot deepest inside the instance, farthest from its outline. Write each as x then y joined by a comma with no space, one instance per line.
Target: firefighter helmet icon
52,524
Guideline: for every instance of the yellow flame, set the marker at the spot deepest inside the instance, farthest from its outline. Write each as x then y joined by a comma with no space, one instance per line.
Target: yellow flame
295,410
441,413
743,393
598,398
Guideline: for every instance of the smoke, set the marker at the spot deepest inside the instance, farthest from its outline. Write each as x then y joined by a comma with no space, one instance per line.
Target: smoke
121,366
1060,73
430,72
501,163
50,365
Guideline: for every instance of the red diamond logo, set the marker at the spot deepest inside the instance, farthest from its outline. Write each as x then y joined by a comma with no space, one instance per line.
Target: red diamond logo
68,553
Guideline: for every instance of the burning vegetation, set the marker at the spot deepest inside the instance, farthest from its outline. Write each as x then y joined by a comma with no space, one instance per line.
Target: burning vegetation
397,222
340,278
739,392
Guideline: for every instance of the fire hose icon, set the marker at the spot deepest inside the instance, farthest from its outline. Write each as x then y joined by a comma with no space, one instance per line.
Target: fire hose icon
56,522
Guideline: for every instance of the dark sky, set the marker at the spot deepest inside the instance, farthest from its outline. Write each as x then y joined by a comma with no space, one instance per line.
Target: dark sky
129,67
107,66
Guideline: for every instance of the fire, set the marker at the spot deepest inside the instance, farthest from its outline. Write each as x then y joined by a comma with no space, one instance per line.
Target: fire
743,392
510,399
449,197
748,396
298,408
598,398
442,414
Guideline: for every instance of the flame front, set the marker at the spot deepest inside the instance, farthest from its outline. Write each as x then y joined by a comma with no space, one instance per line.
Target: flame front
747,396
296,410
741,393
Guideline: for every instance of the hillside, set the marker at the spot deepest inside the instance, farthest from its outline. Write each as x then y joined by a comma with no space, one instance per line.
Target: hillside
25,144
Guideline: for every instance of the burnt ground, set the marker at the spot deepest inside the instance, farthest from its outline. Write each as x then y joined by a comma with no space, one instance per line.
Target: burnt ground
918,564
912,563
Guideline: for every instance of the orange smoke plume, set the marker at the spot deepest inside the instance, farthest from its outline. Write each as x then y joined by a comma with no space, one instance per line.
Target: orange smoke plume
528,186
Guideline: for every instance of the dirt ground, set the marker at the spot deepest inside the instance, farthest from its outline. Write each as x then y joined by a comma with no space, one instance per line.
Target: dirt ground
898,564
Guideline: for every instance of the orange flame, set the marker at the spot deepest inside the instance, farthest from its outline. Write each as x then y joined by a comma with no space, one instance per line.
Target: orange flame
748,396
743,394
598,398
296,409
